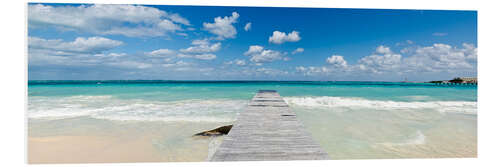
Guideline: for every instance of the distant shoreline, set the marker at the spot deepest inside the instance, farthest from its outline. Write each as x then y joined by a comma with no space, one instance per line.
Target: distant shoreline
154,80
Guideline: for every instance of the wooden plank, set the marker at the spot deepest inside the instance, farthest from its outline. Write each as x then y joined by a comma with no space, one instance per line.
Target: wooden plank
268,130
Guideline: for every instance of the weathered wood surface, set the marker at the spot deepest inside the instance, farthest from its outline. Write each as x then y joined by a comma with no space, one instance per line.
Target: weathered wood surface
268,131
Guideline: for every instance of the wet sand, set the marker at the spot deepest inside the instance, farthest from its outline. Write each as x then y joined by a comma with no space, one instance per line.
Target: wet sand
117,143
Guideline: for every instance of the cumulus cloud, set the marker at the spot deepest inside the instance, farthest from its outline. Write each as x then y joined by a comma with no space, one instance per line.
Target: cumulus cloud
107,19
162,52
111,55
87,52
271,71
202,46
442,57
81,45
248,26
383,50
311,70
435,58
178,19
380,63
205,56
200,49
336,61
266,56
177,64
298,50
223,26
281,37
79,52
236,62
253,50
260,55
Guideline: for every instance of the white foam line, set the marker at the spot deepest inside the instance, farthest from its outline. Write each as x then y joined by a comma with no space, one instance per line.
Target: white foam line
110,108
346,102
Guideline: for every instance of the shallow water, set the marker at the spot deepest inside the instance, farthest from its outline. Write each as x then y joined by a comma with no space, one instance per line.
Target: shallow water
350,120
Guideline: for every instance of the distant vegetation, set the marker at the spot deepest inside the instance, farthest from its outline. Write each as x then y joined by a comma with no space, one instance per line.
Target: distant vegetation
456,80
436,82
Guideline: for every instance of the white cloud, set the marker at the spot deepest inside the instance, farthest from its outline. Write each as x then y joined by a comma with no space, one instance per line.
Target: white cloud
237,62
253,50
177,64
259,55
438,60
435,58
182,66
336,64
200,49
298,50
162,52
106,19
168,25
380,63
281,37
248,26
336,61
81,45
130,64
202,46
223,26
207,56
117,54
266,56
240,62
310,71
178,19
442,57
271,71
383,50
181,55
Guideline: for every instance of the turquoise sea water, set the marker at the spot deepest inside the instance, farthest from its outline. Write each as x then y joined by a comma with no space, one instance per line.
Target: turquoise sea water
178,90
349,119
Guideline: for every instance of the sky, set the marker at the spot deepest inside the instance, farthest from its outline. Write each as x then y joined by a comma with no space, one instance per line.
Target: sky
126,42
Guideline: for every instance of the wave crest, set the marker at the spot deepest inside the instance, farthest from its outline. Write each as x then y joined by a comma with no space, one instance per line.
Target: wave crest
354,103
110,108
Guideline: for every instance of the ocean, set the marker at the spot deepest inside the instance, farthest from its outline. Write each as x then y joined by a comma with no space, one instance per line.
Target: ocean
350,120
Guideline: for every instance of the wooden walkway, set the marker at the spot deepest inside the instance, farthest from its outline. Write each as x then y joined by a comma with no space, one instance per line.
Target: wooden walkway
268,131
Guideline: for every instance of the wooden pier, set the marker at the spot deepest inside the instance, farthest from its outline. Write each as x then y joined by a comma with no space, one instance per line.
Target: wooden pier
268,131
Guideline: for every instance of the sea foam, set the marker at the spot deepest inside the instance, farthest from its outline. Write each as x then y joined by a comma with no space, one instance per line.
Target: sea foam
466,107
111,108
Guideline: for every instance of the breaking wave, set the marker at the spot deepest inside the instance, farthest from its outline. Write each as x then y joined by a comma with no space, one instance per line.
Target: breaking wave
466,107
110,108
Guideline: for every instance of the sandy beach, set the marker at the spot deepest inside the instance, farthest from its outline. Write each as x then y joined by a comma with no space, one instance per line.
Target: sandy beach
90,149
118,142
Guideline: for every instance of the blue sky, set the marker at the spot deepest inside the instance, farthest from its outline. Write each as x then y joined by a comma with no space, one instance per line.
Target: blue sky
81,42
